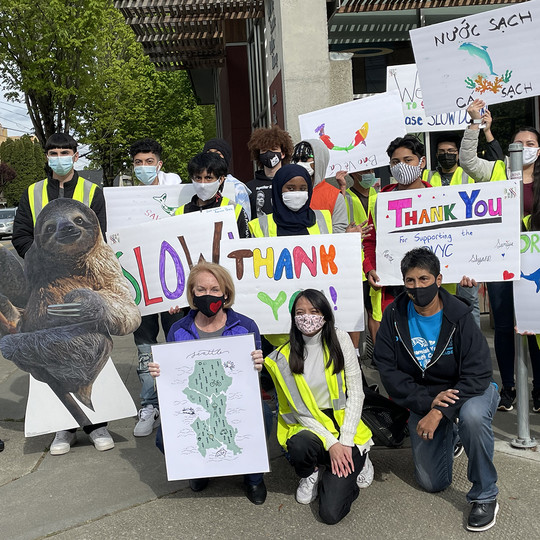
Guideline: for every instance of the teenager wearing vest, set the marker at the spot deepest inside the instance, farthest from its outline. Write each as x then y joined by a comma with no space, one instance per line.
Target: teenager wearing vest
62,182
207,172
319,388
147,164
501,296
313,155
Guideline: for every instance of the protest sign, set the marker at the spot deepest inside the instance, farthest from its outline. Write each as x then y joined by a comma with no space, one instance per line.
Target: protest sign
480,56
269,271
211,409
156,256
405,80
356,133
527,288
472,228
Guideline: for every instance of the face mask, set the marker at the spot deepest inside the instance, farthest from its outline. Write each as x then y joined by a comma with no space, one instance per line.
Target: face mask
529,155
309,323
422,296
405,174
206,190
294,200
368,180
146,173
61,165
306,166
270,159
447,161
208,304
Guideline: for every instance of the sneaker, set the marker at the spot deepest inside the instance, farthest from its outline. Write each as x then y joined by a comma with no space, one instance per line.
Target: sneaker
62,443
102,439
458,449
149,420
536,399
307,488
365,478
482,516
508,397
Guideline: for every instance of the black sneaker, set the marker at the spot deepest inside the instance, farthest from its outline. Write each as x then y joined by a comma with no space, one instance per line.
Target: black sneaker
536,399
482,516
508,397
458,449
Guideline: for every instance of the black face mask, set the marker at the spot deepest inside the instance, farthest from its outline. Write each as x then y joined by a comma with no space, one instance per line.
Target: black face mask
423,296
447,161
208,304
270,159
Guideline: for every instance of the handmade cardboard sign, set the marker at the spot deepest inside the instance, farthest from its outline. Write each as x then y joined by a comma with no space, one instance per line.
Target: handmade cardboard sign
356,133
156,256
480,56
211,409
405,80
472,228
527,288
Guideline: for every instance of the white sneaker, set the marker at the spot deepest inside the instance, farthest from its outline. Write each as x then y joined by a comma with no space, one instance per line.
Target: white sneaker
149,420
365,478
102,439
307,488
62,443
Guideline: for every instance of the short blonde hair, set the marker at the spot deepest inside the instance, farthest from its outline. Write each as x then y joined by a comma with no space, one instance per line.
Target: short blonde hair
222,276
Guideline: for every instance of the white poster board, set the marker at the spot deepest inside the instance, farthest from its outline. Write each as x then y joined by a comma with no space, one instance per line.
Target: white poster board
527,289
356,133
45,413
473,229
156,256
211,409
480,56
405,80
269,271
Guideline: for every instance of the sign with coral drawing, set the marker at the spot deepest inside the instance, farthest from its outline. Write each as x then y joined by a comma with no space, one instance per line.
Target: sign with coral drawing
527,289
473,229
487,55
356,133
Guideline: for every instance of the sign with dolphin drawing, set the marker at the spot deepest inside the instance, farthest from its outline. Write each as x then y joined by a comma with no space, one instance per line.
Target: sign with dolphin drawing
527,289
480,56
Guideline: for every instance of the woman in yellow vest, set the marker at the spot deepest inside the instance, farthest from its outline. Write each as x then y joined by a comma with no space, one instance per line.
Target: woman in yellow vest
320,394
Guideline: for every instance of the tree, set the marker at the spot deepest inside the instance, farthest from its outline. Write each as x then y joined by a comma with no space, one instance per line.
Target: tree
7,174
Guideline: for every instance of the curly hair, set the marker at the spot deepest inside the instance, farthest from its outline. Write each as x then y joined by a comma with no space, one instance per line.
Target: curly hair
410,142
267,138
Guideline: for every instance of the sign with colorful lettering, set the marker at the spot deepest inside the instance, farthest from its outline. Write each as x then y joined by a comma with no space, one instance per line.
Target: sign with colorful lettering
405,80
527,288
356,133
156,256
472,228
480,56
269,271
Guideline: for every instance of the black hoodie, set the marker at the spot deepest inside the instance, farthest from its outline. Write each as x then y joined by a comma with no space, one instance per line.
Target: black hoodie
461,359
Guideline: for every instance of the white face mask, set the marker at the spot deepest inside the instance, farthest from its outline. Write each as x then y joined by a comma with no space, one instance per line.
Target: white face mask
529,155
405,174
306,166
294,200
206,190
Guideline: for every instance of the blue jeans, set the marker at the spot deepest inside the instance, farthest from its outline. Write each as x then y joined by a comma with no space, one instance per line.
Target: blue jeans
433,459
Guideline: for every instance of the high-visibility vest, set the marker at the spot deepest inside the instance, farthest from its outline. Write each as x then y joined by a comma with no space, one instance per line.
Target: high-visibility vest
499,171
459,177
295,396
224,202
355,208
324,197
38,197
266,226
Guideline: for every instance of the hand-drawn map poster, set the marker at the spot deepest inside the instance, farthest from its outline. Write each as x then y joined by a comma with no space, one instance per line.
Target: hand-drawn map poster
211,409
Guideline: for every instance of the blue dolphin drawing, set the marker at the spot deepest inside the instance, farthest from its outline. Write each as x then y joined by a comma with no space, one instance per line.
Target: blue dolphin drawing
480,51
534,277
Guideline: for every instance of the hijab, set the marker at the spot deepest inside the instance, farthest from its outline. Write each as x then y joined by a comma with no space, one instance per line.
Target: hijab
291,223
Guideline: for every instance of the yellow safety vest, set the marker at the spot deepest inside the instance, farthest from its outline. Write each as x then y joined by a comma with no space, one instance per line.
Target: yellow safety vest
265,226
498,172
295,396
459,177
527,222
38,197
355,208
224,202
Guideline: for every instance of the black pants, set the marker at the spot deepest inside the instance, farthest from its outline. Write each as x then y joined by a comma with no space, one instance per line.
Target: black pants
306,451
148,330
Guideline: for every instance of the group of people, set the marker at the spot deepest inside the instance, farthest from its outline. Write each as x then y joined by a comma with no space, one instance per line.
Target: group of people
429,350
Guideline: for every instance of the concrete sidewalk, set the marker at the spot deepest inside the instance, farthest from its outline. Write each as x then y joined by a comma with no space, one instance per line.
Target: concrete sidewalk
124,493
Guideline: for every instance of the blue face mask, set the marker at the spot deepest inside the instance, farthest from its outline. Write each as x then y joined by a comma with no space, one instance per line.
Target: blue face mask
368,180
61,165
146,173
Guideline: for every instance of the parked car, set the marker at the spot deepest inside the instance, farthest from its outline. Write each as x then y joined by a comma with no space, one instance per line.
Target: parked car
7,216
